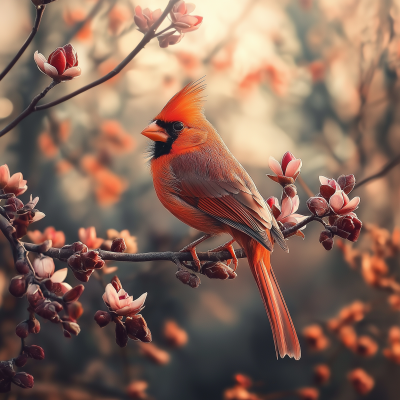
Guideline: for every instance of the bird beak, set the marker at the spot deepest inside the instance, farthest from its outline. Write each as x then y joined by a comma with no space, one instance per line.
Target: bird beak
155,132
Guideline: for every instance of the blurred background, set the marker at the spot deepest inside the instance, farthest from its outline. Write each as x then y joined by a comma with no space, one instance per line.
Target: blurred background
314,77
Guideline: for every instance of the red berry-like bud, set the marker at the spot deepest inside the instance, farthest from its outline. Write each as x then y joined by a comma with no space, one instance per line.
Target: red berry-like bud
75,262
21,360
188,278
71,327
75,310
92,260
137,329
290,190
35,352
118,245
33,326
79,247
102,318
22,329
349,227
73,294
18,286
326,239
346,183
116,283
318,206
58,60
121,336
218,270
24,380
22,266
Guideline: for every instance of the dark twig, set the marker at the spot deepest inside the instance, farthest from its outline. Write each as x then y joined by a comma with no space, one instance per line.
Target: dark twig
382,172
29,110
39,14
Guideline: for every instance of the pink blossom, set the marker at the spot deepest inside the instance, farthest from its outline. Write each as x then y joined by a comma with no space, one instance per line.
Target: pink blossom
146,18
59,286
62,64
44,266
89,237
16,184
182,21
341,204
328,187
169,39
121,302
288,211
287,171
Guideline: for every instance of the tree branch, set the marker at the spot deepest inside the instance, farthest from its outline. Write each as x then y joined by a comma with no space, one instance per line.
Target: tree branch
29,110
382,172
39,14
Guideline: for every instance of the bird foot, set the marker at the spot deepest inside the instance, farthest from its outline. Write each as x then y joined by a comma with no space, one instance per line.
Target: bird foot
228,246
192,249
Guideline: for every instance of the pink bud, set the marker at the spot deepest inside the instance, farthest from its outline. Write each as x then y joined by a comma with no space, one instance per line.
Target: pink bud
70,56
4,176
102,318
44,266
24,380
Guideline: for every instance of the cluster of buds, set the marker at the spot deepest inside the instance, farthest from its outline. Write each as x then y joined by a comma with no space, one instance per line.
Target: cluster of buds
61,65
9,376
121,305
285,210
84,261
181,22
332,202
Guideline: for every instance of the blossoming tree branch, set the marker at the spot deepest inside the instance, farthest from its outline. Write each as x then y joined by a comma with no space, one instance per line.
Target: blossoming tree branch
48,295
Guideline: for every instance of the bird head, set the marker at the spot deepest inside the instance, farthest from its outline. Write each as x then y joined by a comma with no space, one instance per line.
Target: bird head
181,124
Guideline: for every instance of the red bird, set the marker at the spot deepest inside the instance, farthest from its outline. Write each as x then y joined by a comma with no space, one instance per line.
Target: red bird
199,181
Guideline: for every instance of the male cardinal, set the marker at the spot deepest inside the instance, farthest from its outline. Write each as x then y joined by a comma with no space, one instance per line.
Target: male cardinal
199,181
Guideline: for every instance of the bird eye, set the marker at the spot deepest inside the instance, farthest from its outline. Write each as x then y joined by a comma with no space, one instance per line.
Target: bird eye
178,126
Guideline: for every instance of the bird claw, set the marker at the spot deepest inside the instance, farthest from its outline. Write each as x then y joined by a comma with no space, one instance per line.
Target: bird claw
228,246
192,249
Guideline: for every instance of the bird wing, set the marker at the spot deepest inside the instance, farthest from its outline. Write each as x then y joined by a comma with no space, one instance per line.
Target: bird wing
232,200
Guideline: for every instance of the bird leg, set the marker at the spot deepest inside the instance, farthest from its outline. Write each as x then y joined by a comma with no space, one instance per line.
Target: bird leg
228,246
192,249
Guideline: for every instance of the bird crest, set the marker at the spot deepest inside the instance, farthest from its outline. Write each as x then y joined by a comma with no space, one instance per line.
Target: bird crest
186,106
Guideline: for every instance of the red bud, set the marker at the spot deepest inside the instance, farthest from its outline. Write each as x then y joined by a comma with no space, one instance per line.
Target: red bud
121,336
188,278
92,260
73,294
346,183
18,286
22,329
21,360
102,318
34,326
318,206
35,352
326,239
75,310
24,380
118,245
137,329
116,283
218,270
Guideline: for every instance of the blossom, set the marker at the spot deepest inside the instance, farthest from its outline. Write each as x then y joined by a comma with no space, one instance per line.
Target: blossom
146,18
89,237
341,204
169,39
181,20
287,171
289,207
121,302
44,266
57,237
348,227
14,184
61,65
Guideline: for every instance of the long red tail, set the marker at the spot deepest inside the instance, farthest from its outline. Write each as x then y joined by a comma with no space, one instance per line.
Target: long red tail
285,337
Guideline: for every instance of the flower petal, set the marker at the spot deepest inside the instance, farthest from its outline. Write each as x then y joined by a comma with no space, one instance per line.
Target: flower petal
336,201
112,297
295,203
286,207
275,166
38,216
293,167
323,180
190,7
59,275
351,206
40,59
72,72
50,71
133,307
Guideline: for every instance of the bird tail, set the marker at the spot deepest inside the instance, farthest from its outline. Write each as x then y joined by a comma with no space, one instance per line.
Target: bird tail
285,337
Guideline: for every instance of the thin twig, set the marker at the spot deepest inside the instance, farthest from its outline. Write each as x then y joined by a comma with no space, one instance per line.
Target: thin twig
39,14
390,165
29,110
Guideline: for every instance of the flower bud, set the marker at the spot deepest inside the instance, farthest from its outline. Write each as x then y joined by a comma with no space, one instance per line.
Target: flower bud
346,183
83,276
188,278
322,374
118,245
75,310
44,266
21,360
49,310
33,326
349,227
71,327
326,239
12,205
290,190
35,352
73,294
22,329
318,206
79,247
218,270
75,262
24,380
121,336
92,260
18,286
116,283
22,266
137,329
102,318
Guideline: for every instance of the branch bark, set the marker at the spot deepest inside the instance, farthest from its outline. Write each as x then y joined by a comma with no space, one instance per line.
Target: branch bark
39,13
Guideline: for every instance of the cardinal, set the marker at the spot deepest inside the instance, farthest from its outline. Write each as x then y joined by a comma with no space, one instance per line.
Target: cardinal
201,183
